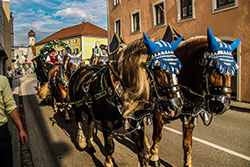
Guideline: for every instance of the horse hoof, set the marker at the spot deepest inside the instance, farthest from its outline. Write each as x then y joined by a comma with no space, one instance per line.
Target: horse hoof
154,163
81,142
108,164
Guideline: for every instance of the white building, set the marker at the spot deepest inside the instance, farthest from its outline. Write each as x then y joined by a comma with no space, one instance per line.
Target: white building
24,54
20,54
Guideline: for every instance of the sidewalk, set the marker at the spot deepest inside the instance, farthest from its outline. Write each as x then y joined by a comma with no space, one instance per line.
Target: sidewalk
240,106
13,130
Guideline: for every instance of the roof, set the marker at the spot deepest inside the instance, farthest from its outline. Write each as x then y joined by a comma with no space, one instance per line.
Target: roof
85,28
33,50
31,33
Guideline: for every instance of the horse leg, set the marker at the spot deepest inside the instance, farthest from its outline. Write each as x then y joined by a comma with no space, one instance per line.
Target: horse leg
139,139
81,140
54,105
145,137
157,135
187,127
66,115
65,98
109,148
90,139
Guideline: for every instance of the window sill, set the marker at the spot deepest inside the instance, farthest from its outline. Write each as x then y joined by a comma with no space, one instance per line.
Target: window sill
115,6
159,26
135,32
186,19
224,8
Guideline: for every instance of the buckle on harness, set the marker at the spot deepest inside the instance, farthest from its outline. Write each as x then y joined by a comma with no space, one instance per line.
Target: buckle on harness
100,95
79,102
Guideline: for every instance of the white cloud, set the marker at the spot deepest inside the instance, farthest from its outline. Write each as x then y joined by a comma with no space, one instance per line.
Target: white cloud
71,12
94,11
47,17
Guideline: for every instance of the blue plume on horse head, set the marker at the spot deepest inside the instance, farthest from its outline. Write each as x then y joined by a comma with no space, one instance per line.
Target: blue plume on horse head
160,45
235,44
215,46
221,53
176,43
212,42
162,54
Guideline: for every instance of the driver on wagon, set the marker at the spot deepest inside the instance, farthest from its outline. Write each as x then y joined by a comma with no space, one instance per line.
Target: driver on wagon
53,58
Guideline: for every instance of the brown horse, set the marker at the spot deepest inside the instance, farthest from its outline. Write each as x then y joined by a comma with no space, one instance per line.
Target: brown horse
110,96
58,86
208,65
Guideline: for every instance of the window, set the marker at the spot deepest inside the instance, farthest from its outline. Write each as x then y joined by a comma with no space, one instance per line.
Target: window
76,51
68,41
223,5
118,27
186,9
75,40
116,2
135,21
159,13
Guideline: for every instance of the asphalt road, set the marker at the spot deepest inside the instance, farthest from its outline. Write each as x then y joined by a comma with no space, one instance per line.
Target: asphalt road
225,143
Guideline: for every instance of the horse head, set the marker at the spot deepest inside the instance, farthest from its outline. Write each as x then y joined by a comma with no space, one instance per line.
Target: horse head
163,68
219,66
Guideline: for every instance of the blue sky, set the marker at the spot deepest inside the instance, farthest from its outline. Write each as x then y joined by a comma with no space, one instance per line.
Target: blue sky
48,16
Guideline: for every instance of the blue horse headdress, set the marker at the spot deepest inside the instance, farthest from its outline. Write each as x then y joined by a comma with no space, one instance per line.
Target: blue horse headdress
162,54
221,53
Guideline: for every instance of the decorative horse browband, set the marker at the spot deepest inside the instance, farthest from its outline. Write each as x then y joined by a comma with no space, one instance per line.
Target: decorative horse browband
224,62
221,54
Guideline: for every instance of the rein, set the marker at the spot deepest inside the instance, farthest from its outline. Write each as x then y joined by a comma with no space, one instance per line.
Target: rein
159,99
88,99
212,93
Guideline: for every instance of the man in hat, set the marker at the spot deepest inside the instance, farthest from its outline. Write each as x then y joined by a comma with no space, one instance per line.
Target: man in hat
52,59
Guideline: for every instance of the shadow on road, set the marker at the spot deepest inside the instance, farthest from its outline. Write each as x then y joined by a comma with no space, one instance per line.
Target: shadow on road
39,133
71,131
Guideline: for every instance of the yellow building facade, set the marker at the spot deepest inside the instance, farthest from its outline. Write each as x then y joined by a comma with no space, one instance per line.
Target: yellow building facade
88,37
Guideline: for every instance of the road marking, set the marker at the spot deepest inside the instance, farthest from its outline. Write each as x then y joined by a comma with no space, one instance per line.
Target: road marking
212,145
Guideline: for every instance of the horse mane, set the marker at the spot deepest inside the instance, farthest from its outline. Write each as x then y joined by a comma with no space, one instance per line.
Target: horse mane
194,42
134,75
190,53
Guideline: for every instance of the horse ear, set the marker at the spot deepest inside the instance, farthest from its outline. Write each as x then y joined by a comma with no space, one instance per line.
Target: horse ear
170,34
114,44
212,42
176,43
149,44
235,44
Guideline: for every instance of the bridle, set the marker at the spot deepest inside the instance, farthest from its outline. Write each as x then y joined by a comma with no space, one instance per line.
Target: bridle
158,94
212,92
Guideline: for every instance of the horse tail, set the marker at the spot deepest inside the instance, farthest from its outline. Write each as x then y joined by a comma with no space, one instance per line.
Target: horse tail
44,91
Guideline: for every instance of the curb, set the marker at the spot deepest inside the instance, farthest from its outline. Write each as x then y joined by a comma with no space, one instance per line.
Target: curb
240,109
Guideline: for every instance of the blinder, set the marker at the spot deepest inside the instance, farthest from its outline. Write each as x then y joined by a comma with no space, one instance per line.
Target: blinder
220,90
171,89
215,95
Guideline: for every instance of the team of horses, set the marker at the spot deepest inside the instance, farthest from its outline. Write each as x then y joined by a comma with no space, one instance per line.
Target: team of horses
166,79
